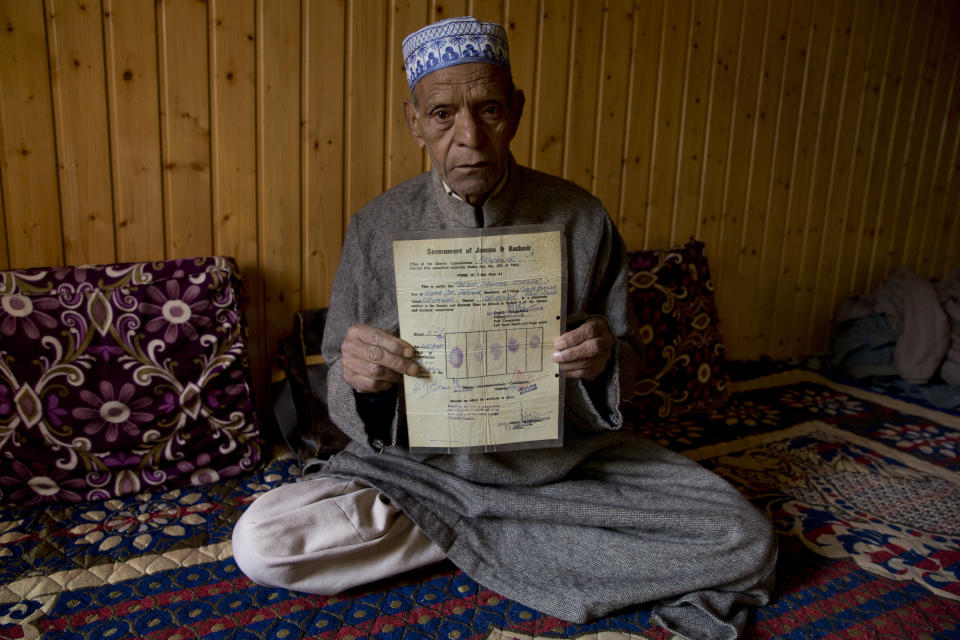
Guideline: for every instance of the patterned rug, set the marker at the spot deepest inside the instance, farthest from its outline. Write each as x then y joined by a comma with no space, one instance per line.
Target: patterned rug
864,490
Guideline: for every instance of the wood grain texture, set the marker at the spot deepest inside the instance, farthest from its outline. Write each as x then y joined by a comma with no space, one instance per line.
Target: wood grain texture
75,39
130,47
31,198
185,126
813,145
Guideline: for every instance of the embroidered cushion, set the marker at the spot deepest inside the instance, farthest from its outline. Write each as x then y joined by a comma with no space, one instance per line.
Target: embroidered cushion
121,378
683,367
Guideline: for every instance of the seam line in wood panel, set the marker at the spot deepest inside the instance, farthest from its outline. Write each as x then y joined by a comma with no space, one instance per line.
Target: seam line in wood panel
537,75
937,158
821,273
568,113
305,283
598,118
943,139
808,214
765,227
889,155
782,297
164,93
869,173
51,48
387,99
951,173
654,137
923,145
681,126
347,116
907,143
628,121
845,212
745,217
732,128
259,152
715,52
211,115
212,65
872,155
109,117
109,67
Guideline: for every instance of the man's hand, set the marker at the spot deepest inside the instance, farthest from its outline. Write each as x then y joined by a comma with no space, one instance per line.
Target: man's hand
374,360
584,352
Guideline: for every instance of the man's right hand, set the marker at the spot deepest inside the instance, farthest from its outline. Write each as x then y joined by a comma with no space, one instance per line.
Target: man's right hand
374,360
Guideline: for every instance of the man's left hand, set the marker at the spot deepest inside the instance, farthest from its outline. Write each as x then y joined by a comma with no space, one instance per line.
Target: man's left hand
584,352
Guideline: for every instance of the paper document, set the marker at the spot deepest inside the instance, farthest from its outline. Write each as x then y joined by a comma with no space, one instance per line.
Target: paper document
482,307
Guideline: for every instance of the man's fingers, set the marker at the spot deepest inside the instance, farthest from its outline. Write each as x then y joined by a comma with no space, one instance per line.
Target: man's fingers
379,338
591,329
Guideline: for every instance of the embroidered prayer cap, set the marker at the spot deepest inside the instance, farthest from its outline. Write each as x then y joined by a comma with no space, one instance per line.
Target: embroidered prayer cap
453,41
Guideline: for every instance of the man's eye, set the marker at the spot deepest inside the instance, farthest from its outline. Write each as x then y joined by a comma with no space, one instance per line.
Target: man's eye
441,115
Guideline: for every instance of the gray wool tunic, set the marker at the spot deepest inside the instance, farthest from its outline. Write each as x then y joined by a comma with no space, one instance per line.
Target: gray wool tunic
608,521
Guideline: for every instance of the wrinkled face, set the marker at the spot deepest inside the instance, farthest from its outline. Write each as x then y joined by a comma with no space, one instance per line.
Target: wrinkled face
466,115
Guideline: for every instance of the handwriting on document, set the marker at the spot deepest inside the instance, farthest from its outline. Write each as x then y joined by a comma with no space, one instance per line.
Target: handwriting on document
482,310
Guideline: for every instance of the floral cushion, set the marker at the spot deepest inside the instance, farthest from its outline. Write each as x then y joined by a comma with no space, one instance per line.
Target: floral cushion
683,368
122,378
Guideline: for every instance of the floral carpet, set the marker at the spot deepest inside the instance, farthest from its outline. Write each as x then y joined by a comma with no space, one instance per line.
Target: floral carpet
864,490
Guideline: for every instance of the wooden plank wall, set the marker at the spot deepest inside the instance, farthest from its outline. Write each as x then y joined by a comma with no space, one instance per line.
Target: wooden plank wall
811,144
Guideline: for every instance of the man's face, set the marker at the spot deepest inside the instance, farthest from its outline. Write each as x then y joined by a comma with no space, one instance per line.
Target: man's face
466,115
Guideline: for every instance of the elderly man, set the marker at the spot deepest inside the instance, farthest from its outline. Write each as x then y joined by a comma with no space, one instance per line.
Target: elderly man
607,521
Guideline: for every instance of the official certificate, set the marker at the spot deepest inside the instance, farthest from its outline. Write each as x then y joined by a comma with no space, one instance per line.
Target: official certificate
482,308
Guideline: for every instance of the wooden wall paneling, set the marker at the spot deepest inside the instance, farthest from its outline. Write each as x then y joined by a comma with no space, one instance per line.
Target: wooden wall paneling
614,89
4,252
731,285
486,10
130,45
547,103
820,149
721,113
582,101
801,125
641,109
323,230
694,118
75,38
858,234
945,256
365,102
28,161
522,23
404,158
882,157
185,127
920,156
909,135
279,168
233,144
440,9
676,23
847,138
922,210
774,231
719,99
951,229
748,329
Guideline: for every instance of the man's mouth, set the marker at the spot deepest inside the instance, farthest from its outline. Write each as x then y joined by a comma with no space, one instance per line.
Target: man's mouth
476,166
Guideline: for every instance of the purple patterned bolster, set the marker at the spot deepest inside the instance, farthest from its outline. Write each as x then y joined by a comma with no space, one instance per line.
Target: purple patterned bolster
116,379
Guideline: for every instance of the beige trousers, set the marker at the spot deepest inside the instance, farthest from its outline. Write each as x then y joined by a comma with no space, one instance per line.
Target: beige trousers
326,535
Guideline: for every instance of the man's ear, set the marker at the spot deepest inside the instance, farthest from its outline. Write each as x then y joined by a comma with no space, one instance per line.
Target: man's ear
413,122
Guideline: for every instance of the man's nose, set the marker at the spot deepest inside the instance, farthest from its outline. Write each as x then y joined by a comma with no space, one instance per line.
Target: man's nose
468,131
